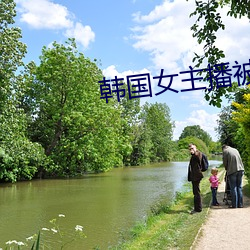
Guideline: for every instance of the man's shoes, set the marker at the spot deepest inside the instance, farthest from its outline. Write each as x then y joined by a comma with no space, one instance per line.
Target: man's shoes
217,204
231,206
194,212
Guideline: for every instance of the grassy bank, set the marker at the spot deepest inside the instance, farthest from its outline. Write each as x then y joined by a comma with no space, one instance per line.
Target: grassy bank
170,227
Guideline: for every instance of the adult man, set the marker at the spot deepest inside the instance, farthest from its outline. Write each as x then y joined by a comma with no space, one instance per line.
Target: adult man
235,170
195,175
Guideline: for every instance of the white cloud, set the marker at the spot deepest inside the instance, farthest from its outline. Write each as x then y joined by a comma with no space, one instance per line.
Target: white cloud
44,14
207,122
159,12
165,33
196,98
82,34
234,40
111,72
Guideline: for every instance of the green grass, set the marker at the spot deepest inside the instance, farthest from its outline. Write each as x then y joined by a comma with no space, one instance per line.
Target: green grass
170,226
246,188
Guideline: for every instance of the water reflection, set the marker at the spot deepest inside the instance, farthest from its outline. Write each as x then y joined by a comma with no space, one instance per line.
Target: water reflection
105,204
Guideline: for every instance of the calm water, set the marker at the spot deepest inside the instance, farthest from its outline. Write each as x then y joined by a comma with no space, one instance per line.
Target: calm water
104,204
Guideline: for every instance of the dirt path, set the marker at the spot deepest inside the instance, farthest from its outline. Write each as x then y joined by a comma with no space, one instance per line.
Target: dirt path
225,228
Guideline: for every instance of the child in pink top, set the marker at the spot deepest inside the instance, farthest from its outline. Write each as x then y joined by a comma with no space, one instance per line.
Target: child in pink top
214,186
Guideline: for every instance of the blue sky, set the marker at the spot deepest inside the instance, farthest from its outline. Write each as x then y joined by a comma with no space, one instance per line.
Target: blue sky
132,37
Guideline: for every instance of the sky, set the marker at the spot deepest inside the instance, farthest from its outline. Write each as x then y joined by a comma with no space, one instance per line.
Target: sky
129,37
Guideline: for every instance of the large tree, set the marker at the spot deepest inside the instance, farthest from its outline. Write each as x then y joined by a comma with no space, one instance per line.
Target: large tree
19,158
242,116
196,131
227,127
78,130
184,142
158,128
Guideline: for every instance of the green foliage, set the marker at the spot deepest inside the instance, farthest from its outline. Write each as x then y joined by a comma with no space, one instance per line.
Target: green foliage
227,127
233,125
196,131
215,147
241,116
79,131
12,50
153,134
230,130
237,8
141,145
130,109
201,146
20,159
181,154
36,243
205,29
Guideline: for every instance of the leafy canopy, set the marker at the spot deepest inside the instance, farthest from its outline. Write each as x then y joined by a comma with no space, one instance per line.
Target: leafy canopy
205,29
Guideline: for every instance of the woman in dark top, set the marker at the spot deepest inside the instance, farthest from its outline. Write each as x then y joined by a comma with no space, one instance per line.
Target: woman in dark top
195,175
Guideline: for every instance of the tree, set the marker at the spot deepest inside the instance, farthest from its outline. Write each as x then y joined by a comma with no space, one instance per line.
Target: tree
183,144
241,115
79,131
208,23
130,109
12,50
141,144
215,148
227,127
196,131
158,127
229,130
19,157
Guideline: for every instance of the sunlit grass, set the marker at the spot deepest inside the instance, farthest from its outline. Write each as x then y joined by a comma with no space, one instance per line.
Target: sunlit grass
170,226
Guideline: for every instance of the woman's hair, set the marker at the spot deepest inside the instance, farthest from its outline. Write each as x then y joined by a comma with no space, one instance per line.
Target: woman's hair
214,170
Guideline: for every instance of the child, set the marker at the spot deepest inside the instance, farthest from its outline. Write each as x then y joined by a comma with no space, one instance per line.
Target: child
214,185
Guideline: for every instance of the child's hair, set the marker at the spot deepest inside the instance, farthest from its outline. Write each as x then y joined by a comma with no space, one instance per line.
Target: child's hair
214,170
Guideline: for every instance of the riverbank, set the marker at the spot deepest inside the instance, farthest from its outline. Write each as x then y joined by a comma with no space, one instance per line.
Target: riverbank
172,227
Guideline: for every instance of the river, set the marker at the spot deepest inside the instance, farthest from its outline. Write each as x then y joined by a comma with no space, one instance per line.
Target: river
104,204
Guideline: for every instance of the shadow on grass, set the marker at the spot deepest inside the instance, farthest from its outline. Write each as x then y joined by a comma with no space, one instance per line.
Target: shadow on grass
183,204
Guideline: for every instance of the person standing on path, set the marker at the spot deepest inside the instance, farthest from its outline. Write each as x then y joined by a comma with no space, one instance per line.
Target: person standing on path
195,175
214,186
235,169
